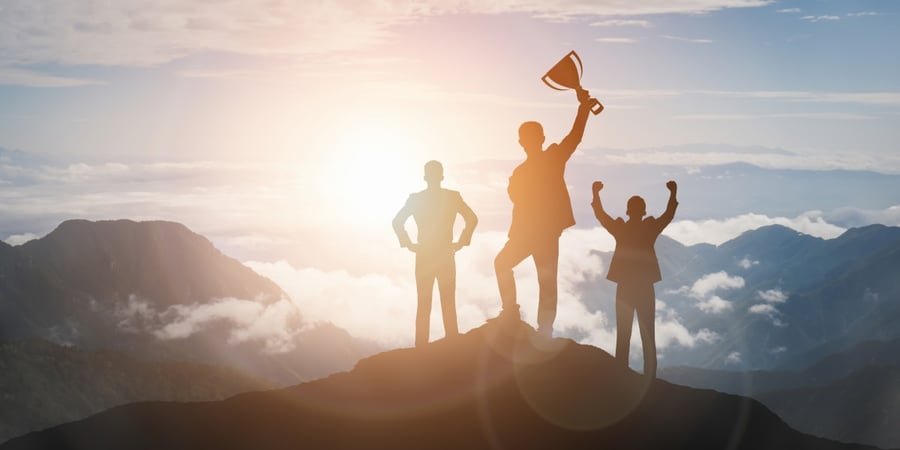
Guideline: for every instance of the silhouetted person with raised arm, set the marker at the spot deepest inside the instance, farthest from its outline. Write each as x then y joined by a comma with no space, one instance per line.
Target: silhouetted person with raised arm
542,209
634,269
434,211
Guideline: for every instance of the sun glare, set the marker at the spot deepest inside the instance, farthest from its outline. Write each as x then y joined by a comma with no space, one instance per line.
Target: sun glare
372,170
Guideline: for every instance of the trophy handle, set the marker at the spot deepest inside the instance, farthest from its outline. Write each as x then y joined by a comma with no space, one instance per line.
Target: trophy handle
546,79
580,66
596,106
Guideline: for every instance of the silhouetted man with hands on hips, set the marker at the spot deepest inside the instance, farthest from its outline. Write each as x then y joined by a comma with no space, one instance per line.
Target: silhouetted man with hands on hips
634,268
542,209
434,211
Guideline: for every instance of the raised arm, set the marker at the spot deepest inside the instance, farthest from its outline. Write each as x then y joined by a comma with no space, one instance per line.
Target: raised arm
465,238
399,224
667,216
569,143
605,220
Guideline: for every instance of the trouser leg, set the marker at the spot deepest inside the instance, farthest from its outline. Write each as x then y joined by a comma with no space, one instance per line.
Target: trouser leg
424,288
446,280
510,256
546,261
646,315
624,320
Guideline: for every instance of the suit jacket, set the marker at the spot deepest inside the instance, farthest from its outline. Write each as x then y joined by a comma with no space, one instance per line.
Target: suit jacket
434,211
541,204
634,260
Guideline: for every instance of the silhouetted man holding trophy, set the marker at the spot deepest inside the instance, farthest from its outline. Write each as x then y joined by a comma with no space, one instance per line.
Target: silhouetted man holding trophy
542,208
435,210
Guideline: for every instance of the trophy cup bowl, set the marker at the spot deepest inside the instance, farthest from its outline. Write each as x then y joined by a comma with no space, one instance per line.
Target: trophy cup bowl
566,74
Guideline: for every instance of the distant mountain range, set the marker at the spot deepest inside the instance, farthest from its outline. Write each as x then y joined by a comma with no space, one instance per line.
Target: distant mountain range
498,386
160,291
790,298
43,384
850,396
826,340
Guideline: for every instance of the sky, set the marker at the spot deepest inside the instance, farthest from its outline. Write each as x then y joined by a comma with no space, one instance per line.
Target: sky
291,132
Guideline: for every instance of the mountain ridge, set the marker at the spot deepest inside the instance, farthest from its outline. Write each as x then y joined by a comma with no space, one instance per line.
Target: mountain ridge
497,386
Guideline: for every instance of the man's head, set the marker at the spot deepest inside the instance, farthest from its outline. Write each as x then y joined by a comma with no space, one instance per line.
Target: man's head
637,208
531,136
434,173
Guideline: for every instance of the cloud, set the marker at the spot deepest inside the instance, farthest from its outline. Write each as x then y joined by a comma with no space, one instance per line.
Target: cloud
19,239
143,32
684,39
864,14
866,98
714,305
712,282
733,358
622,23
763,308
856,217
772,296
383,308
777,350
768,310
22,77
747,263
820,18
808,115
670,330
274,324
706,285
716,232
788,10
616,40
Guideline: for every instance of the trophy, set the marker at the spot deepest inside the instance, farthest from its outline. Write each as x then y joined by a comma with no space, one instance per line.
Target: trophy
566,74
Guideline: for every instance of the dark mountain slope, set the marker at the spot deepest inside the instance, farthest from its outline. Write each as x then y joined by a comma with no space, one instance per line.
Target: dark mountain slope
43,384
85,268
159,291
494,387
864,407
851,396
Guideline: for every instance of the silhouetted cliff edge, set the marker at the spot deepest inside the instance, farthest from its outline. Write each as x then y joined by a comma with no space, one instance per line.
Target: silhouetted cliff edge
495,387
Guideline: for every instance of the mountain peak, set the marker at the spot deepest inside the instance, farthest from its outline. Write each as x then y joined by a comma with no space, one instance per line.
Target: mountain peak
498,386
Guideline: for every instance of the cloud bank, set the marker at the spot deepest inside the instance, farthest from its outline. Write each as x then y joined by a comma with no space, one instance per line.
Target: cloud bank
145,32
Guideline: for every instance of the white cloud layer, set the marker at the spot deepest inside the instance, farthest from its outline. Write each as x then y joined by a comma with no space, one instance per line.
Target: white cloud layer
274,324
383,308
716,232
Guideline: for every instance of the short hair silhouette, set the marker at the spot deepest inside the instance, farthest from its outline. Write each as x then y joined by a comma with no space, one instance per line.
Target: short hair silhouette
531,134
636,207
434,171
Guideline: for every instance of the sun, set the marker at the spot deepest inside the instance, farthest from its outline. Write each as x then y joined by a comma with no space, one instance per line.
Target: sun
372,170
